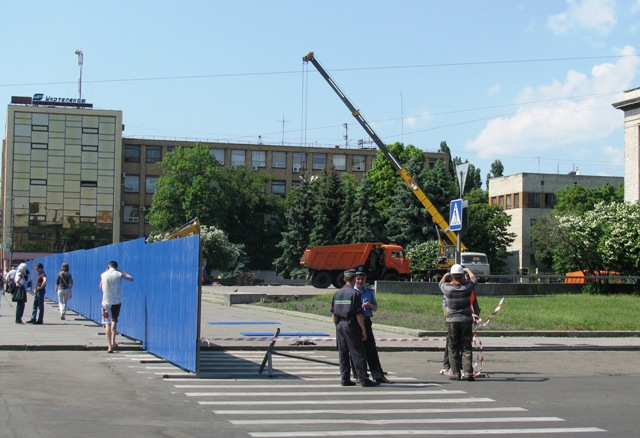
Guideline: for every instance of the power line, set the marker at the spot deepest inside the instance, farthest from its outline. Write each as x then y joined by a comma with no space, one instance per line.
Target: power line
289,72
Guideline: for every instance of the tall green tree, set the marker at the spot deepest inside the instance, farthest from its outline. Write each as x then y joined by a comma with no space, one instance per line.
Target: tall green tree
497,169
367,221
188,188
383,176
408,221
295,237
346,223
250,216
326,212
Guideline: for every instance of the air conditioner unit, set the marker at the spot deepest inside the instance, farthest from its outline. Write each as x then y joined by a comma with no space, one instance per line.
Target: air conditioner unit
358,168
142,208
254,167
296,169
131,219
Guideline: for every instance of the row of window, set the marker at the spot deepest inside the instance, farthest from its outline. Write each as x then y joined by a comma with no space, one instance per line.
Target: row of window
132,183
258,159
153,154
533,200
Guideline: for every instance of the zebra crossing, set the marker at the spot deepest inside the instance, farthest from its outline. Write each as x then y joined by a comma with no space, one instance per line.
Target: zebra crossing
303,399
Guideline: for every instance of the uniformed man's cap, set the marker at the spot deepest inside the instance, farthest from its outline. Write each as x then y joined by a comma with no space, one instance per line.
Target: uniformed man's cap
350,272
360,273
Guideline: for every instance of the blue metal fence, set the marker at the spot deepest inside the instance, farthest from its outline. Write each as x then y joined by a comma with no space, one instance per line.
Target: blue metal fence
161,307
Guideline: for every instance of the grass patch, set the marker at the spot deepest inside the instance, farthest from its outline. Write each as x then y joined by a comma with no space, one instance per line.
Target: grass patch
554,312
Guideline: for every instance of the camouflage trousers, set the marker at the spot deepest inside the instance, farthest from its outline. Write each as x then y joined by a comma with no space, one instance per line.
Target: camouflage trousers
459,339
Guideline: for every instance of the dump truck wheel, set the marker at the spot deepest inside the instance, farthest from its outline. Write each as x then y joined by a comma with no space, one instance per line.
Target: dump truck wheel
338,280
390,276
321,280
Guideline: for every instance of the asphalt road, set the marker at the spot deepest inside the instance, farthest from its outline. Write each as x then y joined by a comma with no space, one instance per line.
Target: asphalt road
91,393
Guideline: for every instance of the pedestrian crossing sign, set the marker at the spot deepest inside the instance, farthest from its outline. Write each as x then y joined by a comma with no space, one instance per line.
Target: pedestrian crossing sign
455,215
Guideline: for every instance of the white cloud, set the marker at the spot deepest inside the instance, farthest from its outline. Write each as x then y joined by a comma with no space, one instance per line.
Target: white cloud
565,117
597,15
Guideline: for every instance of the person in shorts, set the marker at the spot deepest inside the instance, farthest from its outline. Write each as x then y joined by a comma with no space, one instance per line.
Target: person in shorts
112,295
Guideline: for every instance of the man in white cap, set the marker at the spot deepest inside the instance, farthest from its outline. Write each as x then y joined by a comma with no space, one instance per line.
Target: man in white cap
459,292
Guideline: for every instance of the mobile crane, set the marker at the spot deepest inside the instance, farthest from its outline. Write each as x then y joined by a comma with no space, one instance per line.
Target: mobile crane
446,253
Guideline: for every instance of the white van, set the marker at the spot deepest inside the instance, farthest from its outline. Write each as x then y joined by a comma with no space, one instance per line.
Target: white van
478,263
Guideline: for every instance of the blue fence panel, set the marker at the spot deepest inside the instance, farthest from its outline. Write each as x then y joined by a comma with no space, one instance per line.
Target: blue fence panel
160,307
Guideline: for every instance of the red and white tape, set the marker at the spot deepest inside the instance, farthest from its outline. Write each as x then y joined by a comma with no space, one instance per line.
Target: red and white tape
314,339
477,343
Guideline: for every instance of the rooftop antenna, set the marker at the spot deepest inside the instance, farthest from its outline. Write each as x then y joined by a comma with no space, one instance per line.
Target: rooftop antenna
80,62
346,134
283,122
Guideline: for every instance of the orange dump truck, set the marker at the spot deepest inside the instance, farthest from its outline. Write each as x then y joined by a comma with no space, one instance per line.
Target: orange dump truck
381,261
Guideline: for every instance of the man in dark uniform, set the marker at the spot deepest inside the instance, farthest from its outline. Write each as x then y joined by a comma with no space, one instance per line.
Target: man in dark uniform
346,308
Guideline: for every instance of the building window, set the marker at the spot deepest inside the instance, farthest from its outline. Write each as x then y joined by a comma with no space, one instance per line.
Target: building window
39,146
154,154
89,148
218,154
319,161
258,159
299,163
38,182
358,163
131,213
279,160
550,200
87,130
278,188
132,153
296,183
40,128
238,158
493,200
131,183
171,148
340,162
516,200
150,184
534,200
501,201
508,201
88,183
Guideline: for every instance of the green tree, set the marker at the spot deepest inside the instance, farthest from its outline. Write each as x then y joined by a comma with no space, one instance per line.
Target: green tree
422,256
409,221
346,223
367,221
188,188
295,237
497,169
564,249
329,202
250,216
579,199
383,176
606,237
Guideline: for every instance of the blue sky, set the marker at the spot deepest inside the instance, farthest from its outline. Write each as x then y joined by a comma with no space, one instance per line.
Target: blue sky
528,82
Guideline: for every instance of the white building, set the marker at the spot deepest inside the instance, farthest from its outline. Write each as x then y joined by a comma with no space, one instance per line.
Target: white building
631,107
525,197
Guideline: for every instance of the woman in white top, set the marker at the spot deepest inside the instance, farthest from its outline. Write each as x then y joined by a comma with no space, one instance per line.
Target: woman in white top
64,283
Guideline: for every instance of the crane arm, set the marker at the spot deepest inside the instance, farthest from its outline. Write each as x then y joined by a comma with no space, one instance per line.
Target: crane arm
411,183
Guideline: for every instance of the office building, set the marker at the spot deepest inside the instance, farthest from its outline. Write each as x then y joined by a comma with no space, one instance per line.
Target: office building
525,197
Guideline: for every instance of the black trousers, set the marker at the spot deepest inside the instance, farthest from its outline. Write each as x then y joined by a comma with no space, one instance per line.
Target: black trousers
371,352
349,337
